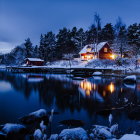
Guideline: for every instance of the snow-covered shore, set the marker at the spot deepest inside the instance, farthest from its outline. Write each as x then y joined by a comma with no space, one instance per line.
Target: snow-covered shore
34,126
125,64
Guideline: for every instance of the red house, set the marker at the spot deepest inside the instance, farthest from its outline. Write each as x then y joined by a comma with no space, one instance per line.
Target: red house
34,62
93,51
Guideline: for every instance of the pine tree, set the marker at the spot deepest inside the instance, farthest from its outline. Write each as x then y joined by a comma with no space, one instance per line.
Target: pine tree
76,39
41,48
134,37
49,44
36,52
64,43
107,33
28,48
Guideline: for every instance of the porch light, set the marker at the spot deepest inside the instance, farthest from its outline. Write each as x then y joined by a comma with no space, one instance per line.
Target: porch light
113,56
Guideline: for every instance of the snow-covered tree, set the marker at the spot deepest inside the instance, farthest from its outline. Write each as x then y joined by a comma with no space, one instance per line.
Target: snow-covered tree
107,33
36,52
121,37
49,44
64,44
28,48
41,48
134,37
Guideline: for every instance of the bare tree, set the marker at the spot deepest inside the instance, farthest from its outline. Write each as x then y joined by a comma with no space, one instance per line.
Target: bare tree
97,24
121,36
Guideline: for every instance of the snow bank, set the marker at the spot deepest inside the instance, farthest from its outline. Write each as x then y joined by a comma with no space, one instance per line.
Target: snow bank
42,126
38,134
74,134
54,137
114,128
102,132
130,137
97,73
105,133
39,113
12,128
78,78
35,117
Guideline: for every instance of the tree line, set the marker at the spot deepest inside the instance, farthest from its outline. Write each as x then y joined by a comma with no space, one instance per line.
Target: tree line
125,40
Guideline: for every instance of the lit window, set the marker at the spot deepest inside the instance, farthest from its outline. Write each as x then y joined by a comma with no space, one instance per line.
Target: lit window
82,57
105,49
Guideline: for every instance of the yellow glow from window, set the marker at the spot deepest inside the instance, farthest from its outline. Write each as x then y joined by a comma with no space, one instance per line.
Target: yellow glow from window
113,56
105,49
88,57
82,57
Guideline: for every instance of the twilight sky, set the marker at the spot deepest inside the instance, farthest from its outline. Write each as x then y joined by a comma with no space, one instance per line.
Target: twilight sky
20,19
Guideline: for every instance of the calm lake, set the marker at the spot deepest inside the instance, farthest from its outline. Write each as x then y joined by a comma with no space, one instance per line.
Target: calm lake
90,100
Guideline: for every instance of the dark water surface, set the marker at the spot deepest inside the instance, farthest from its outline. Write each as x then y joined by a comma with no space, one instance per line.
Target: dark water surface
85,100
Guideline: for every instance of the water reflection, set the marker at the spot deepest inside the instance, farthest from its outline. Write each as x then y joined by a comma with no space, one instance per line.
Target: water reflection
111,87
5,86
89,87
74,99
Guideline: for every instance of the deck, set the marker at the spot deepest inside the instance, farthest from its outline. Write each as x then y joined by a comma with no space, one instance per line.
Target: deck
44,69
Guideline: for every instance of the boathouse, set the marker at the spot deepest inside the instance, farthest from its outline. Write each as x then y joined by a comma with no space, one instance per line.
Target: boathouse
93,51
34,62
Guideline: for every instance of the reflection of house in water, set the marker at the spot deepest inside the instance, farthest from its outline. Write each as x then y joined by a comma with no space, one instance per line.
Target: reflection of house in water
34,77
87,87
96,91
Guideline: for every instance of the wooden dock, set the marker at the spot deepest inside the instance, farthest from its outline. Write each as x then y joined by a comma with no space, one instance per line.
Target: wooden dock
44,69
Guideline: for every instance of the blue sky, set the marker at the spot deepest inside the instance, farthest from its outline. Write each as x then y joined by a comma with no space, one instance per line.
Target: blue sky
20,19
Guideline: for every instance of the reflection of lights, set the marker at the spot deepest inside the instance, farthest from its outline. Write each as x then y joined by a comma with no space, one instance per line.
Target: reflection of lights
87,86
111,87
121,90
94,86
104,93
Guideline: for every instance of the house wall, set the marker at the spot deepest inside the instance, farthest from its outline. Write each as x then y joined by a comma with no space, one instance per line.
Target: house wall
35,63
105,55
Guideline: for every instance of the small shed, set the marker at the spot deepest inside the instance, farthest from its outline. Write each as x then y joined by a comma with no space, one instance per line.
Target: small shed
34,62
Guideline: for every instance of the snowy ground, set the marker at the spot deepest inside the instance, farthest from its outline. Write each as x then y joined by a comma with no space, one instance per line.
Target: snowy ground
96,64
127,64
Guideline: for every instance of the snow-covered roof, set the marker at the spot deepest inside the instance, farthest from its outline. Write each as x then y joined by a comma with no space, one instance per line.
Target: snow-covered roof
94,47
34,59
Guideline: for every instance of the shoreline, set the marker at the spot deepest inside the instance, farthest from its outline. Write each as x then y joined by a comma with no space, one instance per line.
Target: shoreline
38,125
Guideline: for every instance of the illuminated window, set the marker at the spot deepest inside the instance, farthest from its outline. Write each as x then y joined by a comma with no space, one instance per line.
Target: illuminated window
89,49
105,49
